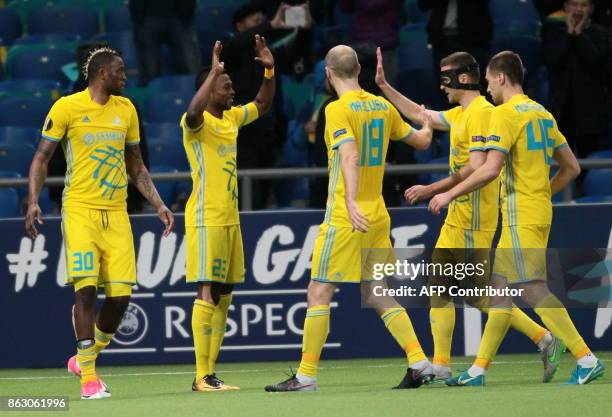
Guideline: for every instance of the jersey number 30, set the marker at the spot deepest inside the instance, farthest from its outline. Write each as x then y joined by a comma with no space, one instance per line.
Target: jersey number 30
372,143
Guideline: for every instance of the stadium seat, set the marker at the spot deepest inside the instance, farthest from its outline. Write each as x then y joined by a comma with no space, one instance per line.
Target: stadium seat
598,182
24,111
37,88
138,95
291,191
437,176
413,13
528,47
421,86
16,157
517,27
295,148
504,10
166,189
39,63
167,107
9,203
63,19
69,39
295,94
414,51
168,132
10,25
117,19
176,83
595,199
123,42
163,153
215,17
600,155
16,134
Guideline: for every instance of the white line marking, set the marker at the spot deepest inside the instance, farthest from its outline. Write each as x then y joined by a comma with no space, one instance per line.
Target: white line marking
240,292
134,295
251,347
132,350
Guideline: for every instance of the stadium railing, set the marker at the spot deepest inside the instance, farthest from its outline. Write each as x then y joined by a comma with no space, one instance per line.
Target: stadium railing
247,176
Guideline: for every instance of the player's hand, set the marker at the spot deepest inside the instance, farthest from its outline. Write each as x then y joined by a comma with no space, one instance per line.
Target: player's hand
278,22
570,24
34,214
380,78
580,25
264,56
358,220
309,21
216,64
439,202
417,193
425,119
167,218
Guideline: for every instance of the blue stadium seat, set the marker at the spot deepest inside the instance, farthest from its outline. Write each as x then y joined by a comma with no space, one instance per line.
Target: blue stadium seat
24,111
10,25
38,88
595,199
601,155
163,153
437,176
47,38
291,191
9,203
166,189
176,83
167,107
598,182
295,148
421,86
63,19
528,47
43,63
517,27
16,157
123,42
117,19
17,134
215,17
504,10
414,51
168,132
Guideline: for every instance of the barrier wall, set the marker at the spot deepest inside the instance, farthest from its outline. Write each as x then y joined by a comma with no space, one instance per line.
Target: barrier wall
267,314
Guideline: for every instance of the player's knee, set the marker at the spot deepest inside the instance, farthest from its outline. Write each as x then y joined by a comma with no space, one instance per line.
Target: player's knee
85,297
117,304
319,293
534,292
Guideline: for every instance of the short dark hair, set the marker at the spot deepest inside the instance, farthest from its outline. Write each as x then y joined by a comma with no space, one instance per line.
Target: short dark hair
508,63
245,11
98,58
462,59
201,77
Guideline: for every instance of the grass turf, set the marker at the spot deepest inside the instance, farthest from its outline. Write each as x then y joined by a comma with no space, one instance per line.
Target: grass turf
355,388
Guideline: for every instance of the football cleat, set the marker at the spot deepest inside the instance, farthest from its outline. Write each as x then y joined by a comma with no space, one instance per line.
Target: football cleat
441,373
291,384
224,386
464,379
551,358
73,366
94,390
582,375
415,378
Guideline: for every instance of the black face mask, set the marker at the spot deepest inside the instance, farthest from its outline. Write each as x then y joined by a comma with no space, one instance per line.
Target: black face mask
450,78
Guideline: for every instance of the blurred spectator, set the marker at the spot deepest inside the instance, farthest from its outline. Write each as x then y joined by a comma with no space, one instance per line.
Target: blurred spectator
576,54
162,21
377,21
259,142
459,25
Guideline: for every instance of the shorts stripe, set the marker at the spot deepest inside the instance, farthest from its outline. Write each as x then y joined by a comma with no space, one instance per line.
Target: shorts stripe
201,253
333,181
325,256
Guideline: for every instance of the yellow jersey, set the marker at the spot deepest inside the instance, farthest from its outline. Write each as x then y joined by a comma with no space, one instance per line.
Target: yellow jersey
370,121
468,132
211,152
93,138
528,134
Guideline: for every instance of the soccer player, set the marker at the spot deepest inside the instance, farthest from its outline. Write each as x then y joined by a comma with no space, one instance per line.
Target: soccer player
472,219
358,128
215,259
523,140
98,131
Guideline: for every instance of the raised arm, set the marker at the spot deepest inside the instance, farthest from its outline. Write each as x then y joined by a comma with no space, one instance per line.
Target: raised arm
421,139
265,95
195,111
349,165
406,107
139,174
569,169
486,173
36,180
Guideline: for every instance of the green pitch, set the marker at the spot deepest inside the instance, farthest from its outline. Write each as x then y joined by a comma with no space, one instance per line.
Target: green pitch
351,388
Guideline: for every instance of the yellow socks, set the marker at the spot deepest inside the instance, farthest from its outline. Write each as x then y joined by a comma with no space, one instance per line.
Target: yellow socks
217,324
524,324
442,321
555,317
86,357
399,325
201,328
316,328
494,332
102,339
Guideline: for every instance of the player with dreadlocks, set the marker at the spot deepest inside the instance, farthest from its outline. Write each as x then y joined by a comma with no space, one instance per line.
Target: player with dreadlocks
98,131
